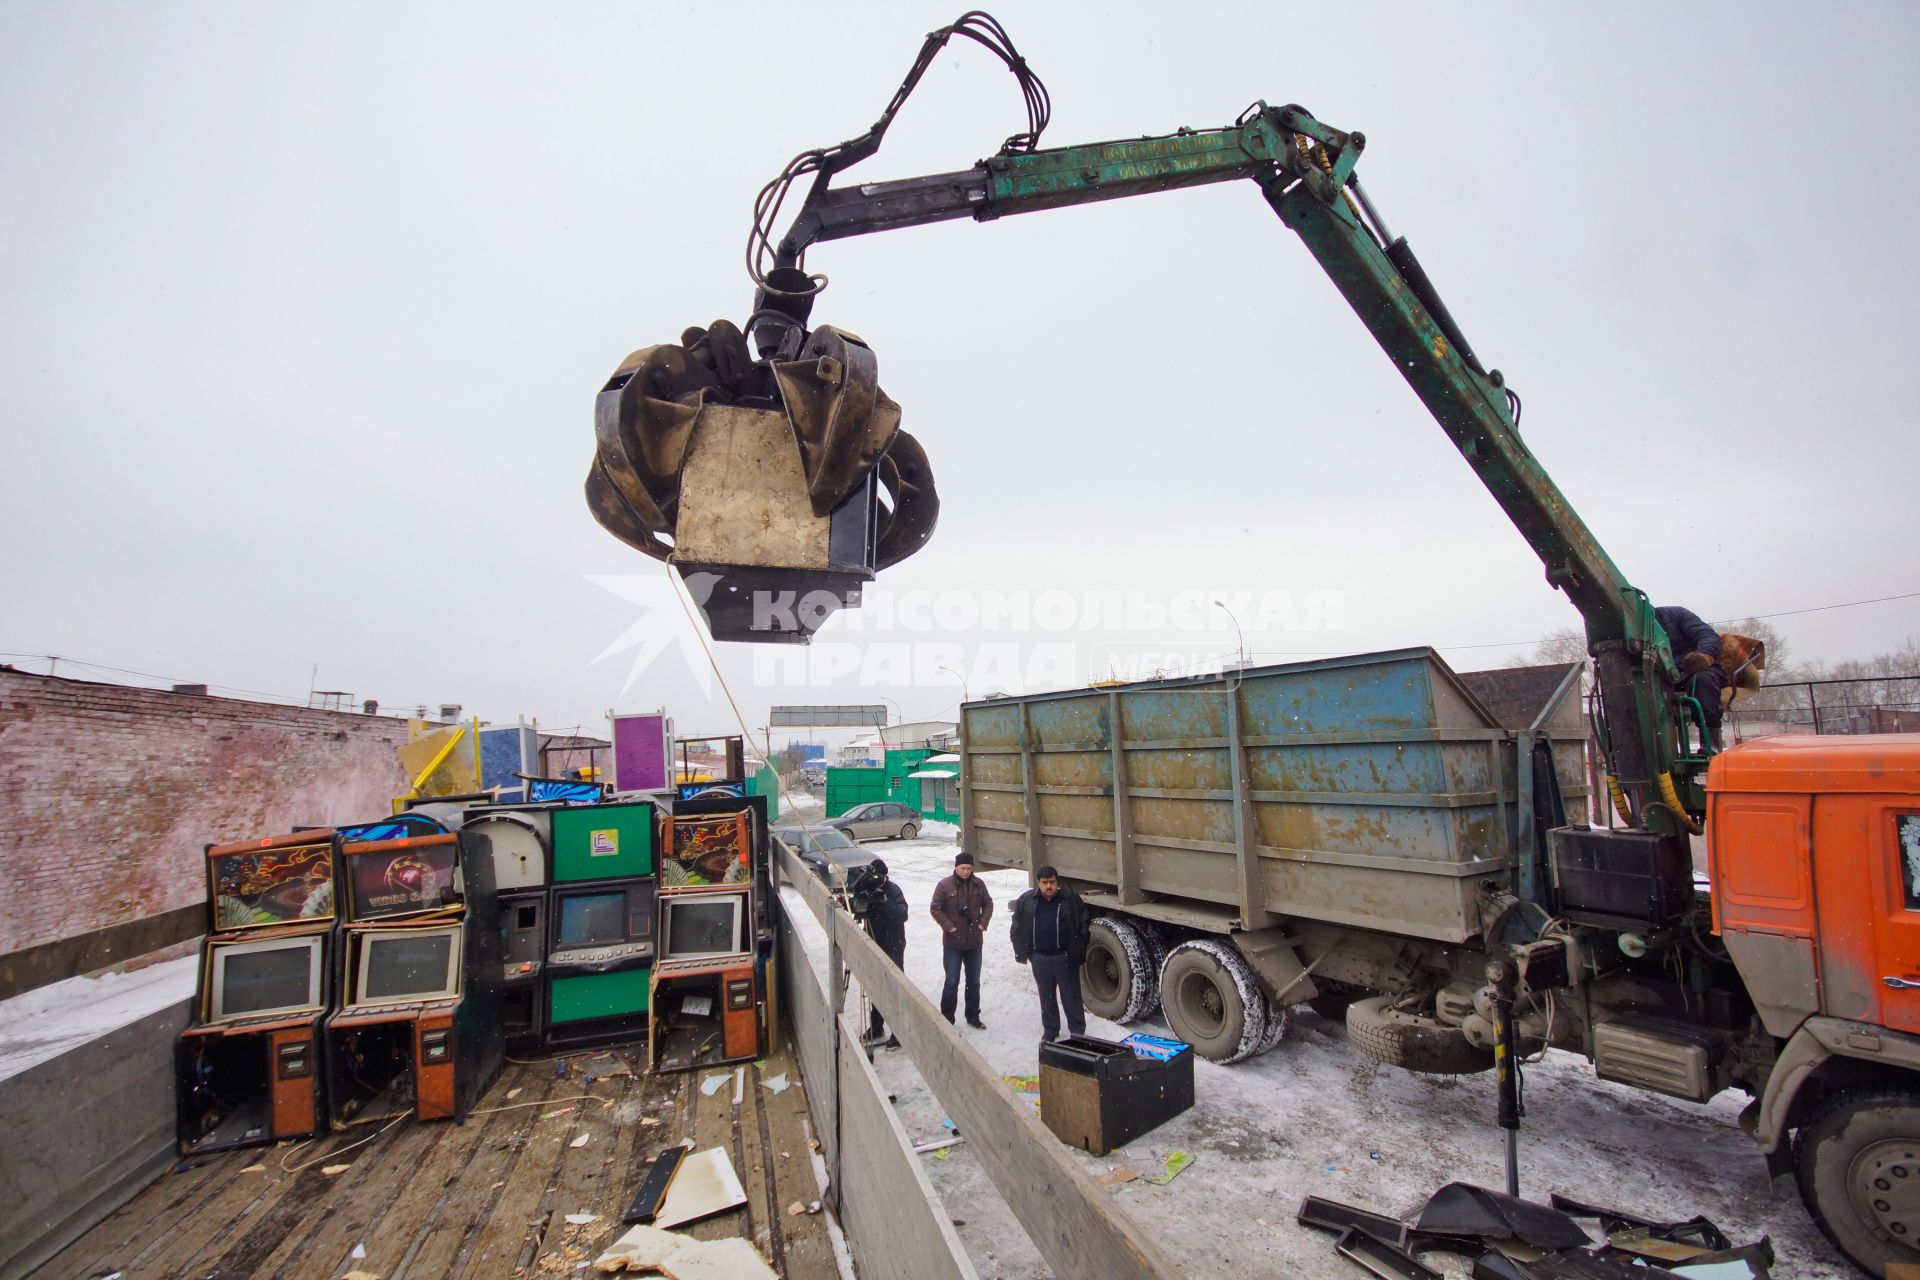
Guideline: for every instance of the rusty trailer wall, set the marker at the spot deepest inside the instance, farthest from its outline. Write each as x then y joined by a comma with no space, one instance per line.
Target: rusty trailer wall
1376,791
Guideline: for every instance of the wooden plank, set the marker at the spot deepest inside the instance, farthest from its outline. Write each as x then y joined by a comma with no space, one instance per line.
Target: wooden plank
106,1247
359,1198
457,1173
1069,1216
222,1223
573,1190
806,1248
895,1221
489,1222
714,1126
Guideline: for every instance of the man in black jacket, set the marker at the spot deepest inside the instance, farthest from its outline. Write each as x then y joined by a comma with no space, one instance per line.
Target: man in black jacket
885,917
1050,931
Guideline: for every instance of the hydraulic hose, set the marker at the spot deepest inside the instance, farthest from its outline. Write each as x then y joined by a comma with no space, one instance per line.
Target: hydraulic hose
1672,798
1620,805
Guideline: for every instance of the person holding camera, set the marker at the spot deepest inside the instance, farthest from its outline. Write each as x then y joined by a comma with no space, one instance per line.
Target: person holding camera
1050,932
962,906
881,907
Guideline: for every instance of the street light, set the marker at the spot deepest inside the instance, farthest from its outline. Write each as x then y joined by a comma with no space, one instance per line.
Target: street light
896,711
965,694
1239,635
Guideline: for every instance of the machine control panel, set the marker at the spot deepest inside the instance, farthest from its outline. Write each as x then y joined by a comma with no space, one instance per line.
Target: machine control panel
522,970
599,957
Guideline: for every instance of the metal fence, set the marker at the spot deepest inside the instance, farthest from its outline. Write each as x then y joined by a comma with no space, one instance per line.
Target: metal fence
1873,704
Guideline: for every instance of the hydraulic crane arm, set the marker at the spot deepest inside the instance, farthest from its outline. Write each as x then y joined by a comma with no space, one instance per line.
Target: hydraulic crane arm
1305,171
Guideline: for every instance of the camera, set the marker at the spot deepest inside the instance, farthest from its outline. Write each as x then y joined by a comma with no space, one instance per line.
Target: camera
866,889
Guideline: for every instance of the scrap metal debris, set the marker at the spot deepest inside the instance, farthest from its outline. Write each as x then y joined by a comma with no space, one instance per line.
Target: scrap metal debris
1508,1238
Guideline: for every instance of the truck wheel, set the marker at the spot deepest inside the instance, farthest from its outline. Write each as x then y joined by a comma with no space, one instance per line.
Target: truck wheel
1858,1161
1213,1001
1118,979
1277,1018
1411,1041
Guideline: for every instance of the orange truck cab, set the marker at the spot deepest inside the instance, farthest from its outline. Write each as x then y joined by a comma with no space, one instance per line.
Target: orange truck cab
1813,848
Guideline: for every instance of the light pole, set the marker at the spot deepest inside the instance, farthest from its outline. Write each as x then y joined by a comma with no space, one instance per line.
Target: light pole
896,711
965,694
1239,635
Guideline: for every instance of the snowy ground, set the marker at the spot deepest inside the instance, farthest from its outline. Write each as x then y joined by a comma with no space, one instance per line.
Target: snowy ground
43,1023
1316,1117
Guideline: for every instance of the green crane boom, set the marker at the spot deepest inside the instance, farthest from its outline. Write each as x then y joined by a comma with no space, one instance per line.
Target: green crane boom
1306,172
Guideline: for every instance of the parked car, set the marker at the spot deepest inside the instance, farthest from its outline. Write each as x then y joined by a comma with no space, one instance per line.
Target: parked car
879,821
826,849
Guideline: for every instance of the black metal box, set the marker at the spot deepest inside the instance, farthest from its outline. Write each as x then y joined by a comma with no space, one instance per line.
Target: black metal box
1098,1095
1625,879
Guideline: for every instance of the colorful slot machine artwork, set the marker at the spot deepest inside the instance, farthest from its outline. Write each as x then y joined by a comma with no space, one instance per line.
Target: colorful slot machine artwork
272,886
708,850
401,881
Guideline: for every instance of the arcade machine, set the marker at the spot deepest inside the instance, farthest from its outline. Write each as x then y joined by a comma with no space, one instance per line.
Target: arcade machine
708,999
245,1067
418,1029
600,910
520,839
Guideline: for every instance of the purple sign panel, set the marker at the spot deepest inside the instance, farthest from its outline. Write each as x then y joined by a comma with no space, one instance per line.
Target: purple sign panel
642,752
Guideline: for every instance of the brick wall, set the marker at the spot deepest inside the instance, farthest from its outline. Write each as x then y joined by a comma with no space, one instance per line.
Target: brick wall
108,794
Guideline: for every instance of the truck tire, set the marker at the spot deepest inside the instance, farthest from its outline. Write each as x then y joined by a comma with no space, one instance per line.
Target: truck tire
1277,1019
1213,1000
1857,1158
1410,1041
1119,980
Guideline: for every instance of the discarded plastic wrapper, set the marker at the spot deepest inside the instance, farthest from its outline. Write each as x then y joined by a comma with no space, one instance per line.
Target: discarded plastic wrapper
1170,1166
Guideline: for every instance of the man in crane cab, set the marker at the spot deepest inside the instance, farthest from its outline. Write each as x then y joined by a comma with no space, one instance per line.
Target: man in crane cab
1696,648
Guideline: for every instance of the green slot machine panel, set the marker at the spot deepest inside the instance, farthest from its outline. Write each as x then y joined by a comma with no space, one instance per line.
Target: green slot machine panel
598,995
602,841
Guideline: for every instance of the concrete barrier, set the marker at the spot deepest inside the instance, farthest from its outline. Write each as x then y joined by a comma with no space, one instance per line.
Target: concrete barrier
1070,1217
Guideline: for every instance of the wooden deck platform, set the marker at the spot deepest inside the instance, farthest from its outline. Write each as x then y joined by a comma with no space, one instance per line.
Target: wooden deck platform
485,1199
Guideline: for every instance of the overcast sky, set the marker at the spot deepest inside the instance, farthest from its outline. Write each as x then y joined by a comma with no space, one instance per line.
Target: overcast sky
305,306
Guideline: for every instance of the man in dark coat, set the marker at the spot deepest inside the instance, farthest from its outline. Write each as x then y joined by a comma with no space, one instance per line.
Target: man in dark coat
1050,932
962,906
886,920
1696,648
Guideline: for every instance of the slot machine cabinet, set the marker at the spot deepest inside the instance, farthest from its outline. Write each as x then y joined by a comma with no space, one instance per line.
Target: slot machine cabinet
523,951
244,1070
603,842
419,1027
704,1013
707,1001
521,839
244,1086
712,804
599,959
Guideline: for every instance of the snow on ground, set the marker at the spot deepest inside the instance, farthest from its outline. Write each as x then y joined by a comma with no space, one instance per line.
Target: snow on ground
41,1024
1316,1117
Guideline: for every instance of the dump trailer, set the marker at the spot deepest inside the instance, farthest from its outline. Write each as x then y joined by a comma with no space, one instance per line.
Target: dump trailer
1370,836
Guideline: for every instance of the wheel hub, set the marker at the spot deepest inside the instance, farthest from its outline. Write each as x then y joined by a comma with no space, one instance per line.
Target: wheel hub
1885,1180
